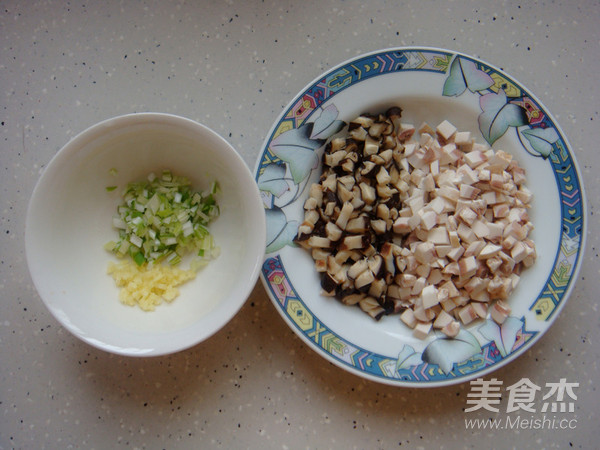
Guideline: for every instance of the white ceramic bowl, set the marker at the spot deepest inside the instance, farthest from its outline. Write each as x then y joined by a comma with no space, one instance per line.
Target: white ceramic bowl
69,221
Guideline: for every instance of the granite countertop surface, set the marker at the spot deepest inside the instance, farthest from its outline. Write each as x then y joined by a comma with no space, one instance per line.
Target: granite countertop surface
233,66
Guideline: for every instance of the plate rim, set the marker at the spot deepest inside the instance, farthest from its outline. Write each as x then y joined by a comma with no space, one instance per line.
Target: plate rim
572,281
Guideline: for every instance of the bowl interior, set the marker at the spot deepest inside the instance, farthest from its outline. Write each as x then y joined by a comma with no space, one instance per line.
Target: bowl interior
69,220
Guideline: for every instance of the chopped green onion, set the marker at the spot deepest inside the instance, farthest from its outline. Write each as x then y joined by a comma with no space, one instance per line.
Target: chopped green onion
162,219
110,188
139,258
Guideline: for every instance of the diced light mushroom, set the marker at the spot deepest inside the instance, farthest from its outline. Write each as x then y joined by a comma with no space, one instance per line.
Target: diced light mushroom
408,317
368,193
319,242
357,268
344,215
463,138
316,192
377,288
358,225
425,252
500,311
451,329
442,320
465,233
371,146
468,215
372,307
481,309
364,279
429,296
428,220
467,314
467,266
445,130
474,285
375,263
453,234
439,236
418,286
352,241
493,263
321,265
344,194
405,132
334,233
474,248
421,330
379,226
456,253
490,250
475,158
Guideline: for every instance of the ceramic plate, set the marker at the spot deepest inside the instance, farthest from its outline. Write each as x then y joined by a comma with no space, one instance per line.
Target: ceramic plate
429,85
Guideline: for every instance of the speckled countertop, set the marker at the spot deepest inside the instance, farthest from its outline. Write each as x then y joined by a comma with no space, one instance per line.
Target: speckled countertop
233,66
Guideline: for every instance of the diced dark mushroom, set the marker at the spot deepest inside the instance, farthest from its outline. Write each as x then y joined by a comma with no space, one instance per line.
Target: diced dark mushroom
379,226
358,225
363,281
368,193
328,284
344,215
337,144
344,194
364,121
368,169
378,288
375,264
377,129
358,134
334,233
357,268
352,299
394,114
371,146
372,307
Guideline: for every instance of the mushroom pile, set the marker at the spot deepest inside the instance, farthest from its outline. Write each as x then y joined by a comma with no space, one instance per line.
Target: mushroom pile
425,223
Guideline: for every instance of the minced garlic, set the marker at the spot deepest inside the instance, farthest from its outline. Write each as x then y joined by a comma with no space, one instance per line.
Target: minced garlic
147,288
